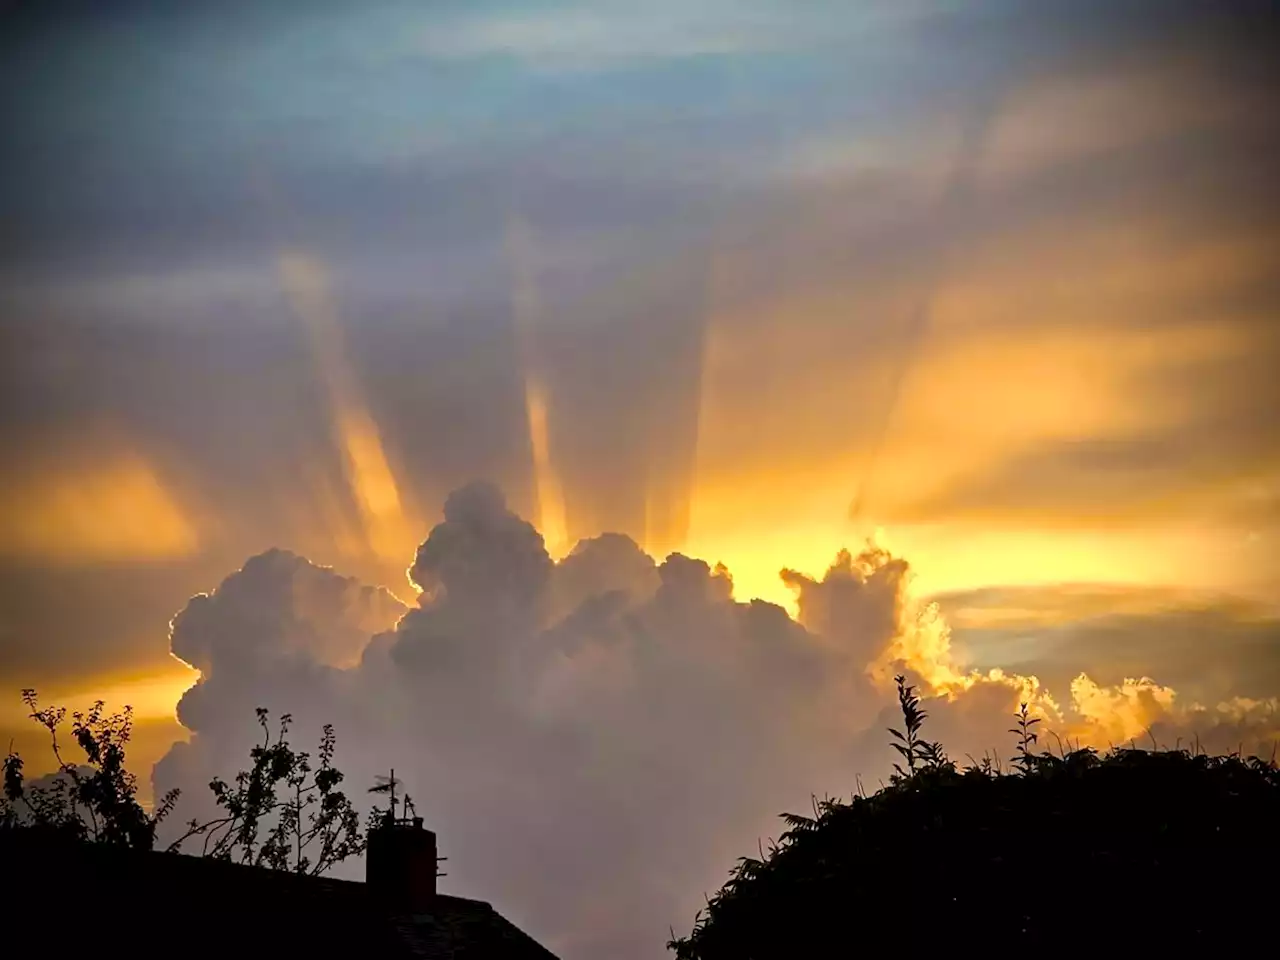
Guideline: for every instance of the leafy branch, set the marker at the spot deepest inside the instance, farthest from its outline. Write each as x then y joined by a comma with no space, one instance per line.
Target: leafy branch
914,748
1027,737
285,812
92,800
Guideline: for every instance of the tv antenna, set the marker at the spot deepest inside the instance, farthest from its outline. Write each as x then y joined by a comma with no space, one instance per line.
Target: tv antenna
388,786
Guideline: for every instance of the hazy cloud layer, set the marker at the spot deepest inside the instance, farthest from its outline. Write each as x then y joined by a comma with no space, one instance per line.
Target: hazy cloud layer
743,175
1207,646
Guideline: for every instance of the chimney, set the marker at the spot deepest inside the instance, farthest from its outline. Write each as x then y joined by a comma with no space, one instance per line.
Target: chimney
401,865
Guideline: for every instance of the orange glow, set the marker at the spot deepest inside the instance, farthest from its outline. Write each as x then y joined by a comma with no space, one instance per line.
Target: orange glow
389,532
550,508
1128,711
1123,712
153,696
323,516
960,557
374,486
1066,603
795,401
551,511
118,511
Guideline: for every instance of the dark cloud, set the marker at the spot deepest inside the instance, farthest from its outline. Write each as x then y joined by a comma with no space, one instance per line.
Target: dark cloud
1064,32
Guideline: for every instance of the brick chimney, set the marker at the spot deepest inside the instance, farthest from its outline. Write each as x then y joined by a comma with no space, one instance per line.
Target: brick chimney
401,865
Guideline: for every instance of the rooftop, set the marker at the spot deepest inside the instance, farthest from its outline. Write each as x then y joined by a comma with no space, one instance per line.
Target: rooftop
117,902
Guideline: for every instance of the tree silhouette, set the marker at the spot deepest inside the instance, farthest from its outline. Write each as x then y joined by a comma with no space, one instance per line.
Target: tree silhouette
286,812
1178,849
92,800
283,812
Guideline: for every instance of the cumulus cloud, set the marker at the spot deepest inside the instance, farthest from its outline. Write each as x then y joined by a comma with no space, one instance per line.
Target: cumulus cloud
595,740
278,633
1141,709
303,610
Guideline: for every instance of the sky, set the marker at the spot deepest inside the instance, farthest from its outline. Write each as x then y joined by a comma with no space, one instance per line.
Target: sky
987,293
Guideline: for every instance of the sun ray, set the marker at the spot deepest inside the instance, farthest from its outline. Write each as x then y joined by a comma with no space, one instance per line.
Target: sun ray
552,520
389,532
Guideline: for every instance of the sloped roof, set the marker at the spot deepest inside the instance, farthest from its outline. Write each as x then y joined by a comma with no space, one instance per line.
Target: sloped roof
184,905
458,929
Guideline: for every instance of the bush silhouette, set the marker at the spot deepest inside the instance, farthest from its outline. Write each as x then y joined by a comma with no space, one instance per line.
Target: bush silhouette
1167,848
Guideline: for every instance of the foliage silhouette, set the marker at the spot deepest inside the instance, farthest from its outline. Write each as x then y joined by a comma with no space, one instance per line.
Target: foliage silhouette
94,800
1178,849
913,748
1027,737
285,812
282,812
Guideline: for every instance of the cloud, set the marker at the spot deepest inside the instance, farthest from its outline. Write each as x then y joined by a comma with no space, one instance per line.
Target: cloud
605,176
1143,710
1206,645
570,36
575,36
1121,713
481,541
552,716
279,627
596,739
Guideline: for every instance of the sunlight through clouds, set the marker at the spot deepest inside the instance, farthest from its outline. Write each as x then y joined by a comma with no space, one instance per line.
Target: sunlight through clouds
389,531
526,311
989,287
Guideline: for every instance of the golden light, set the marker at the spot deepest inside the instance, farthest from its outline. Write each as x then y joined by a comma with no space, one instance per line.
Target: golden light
153,696
795,424
550,507
389,531
120,510
1120,713
525,308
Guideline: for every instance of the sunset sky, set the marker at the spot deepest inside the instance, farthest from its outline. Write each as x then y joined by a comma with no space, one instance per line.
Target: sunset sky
994,284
